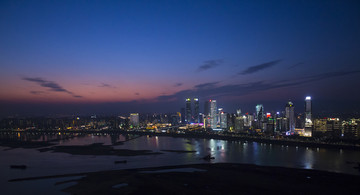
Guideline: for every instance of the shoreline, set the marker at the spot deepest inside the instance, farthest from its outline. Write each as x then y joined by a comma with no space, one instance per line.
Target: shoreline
289,142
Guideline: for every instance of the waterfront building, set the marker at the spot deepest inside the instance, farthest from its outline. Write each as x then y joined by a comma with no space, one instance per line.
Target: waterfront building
270,127
220,110
351,129
327,127
188,114
281,125
196,110
259,117
223,120
259,112
300,121
201,118
230,121
308,117
239,123
213,114
248,120
290,115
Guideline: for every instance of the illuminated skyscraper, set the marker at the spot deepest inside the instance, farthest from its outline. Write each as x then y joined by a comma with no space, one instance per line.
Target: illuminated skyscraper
213,114
259,112
196,110
223,120
220,110
188,114
308,118
290,115
259,116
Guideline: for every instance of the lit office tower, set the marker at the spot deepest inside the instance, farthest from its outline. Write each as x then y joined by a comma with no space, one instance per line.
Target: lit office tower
290,115
134,119
308,120
213,114
220,110
223,120
259,112
188,113
196,110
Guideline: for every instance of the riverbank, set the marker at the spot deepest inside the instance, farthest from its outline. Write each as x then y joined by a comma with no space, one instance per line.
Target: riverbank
222,178
205,135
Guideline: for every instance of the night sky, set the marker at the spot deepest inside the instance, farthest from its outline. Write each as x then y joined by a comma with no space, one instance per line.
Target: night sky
112,57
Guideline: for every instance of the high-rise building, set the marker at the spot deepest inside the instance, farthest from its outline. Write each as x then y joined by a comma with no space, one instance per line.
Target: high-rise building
207,108
231,122
213,114
196,110
220,110
290,115
134,120
259,112
259,116
188,114
351,129
182,116
223,120
239,123
308,118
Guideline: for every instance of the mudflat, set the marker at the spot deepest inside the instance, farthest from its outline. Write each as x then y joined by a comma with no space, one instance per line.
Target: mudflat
97,149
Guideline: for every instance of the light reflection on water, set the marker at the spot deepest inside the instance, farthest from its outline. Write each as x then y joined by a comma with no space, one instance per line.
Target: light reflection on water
48,163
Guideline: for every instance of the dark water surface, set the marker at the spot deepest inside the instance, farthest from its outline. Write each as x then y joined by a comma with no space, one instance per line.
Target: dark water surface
50,163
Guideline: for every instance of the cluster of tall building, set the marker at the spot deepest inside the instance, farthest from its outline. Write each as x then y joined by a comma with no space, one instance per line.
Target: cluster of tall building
191,113
284,122
212,117
269,123
266,122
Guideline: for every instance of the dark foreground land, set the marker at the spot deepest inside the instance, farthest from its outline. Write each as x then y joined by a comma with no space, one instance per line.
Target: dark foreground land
222,178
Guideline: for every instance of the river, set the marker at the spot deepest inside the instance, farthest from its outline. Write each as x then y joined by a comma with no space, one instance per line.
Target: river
51,163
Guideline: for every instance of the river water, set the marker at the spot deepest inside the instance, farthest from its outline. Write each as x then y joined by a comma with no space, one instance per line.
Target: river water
50,163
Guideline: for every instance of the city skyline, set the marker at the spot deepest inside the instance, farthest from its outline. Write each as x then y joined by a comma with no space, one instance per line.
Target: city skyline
179,96
65,57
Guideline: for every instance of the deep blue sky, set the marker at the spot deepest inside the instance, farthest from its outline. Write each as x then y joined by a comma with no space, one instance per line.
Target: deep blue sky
147,56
